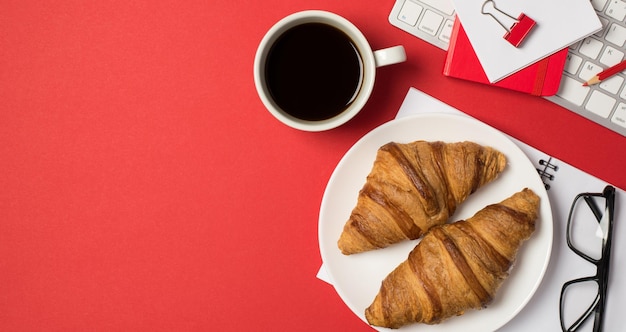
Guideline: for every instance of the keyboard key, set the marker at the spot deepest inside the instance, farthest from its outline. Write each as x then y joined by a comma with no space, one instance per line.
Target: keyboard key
600,104
410,12
447,31
431,22
623,94
572,63
598,5
407,15
573,91
612,84
616,34
591,47
445,6
589,70
620,115
611,56
616,10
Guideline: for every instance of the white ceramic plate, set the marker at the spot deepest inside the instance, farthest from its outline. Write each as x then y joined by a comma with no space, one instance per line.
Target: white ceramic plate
357,278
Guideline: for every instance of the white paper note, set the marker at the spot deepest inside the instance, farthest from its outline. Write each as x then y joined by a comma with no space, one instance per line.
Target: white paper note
559,24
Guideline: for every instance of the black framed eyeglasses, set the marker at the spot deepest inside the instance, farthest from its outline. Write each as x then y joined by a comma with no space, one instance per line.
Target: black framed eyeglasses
589,233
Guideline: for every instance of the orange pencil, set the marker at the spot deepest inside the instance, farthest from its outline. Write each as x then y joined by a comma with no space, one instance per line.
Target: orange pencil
606,73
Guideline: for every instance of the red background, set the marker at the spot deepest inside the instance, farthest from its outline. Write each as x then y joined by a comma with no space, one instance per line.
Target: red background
143,186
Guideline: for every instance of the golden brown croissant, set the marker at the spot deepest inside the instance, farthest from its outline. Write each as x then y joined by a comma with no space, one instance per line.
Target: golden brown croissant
413,187
456,266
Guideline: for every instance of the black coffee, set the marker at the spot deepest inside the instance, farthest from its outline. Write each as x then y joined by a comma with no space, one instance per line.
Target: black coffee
313,71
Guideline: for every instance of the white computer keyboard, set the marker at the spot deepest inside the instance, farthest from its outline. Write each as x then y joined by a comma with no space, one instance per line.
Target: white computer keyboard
604,103
430,20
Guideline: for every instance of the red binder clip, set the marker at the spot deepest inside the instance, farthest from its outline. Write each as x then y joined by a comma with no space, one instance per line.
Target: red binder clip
517,29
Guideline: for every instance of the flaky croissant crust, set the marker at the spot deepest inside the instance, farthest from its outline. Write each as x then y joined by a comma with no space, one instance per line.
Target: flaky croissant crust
456,266
413,187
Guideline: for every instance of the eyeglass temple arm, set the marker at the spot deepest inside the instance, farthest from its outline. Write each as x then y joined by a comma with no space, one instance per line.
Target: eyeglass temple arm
598,321
608,193
603,269
594,207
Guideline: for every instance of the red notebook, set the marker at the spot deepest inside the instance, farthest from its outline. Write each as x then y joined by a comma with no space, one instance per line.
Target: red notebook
540,79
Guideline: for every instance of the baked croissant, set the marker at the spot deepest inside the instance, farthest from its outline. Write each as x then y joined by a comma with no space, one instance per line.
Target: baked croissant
413,187
456,266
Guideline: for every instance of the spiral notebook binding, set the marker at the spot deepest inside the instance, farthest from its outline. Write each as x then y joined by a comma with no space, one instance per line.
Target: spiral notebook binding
546,172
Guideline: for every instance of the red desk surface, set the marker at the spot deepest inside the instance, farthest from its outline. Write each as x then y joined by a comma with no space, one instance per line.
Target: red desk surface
143,186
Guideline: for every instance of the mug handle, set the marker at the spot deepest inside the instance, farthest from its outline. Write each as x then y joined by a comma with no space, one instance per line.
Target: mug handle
389,56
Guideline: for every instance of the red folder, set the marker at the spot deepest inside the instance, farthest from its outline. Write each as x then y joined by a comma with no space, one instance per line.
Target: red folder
540,79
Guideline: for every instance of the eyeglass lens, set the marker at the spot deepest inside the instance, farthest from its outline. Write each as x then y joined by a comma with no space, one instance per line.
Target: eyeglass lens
587,229
580,296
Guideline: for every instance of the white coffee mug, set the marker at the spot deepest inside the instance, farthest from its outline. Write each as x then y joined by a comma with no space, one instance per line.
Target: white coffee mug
369,61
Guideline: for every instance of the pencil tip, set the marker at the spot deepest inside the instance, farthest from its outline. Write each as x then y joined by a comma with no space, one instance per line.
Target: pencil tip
585,84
